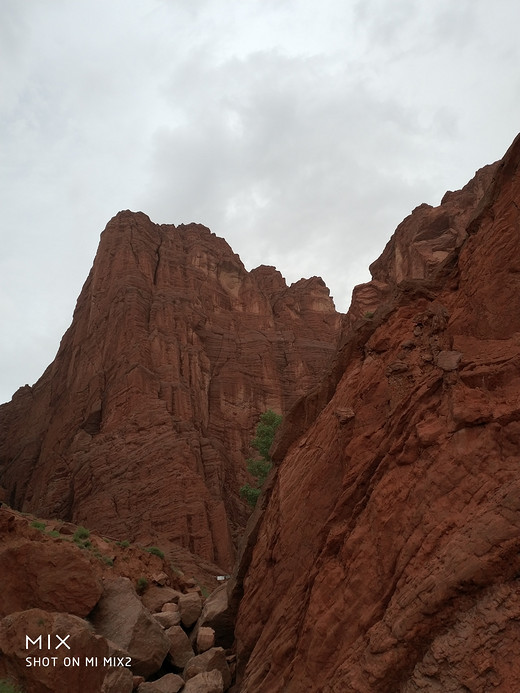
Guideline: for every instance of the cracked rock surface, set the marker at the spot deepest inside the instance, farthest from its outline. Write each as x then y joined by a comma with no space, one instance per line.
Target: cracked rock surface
388,551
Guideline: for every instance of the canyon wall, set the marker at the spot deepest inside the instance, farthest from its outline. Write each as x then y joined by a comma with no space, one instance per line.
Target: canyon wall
141,426
385,553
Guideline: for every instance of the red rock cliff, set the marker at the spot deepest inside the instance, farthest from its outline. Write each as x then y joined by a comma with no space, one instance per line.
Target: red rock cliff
140,427
388,554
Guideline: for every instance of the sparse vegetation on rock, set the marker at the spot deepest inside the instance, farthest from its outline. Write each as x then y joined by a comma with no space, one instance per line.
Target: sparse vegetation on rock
9,687
81,538
260,467
142,584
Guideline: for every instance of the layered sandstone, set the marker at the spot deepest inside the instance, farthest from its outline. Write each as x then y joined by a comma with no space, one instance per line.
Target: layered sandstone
387,557
141,425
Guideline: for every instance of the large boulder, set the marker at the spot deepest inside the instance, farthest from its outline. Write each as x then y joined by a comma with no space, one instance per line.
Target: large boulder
39,572
167,619
205,639
207,682
156,596
217,614
214,658
190,607
171,683
120,616
77,659
180,649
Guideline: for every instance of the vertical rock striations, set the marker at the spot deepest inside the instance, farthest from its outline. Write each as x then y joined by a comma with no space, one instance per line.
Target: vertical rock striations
388,555
141,425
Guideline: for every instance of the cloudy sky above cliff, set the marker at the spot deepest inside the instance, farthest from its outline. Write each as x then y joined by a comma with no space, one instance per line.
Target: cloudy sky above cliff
303,133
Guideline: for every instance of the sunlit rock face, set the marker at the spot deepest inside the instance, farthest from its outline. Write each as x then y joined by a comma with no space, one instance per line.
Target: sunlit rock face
387,557
141,426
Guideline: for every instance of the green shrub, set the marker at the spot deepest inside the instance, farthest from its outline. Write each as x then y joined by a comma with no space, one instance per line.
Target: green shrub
249,494
83,544
260,467
269,422
102,557
81,538
123,544
142,584
8,687
155,550
54,533
369,314
81,534
38,525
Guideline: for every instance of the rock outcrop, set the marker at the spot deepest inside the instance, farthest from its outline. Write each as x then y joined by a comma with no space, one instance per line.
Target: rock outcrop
387,556
54,657
38,572
141,425
53,637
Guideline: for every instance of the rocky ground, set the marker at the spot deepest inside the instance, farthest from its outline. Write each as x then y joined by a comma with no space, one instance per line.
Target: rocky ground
104,615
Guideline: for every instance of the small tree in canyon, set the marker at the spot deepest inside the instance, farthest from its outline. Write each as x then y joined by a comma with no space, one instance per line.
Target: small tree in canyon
260,467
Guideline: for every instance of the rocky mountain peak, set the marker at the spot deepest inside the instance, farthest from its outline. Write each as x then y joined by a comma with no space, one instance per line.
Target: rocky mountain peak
141,426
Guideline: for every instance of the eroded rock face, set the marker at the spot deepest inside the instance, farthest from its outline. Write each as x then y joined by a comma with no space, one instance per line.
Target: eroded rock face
141,425
388,555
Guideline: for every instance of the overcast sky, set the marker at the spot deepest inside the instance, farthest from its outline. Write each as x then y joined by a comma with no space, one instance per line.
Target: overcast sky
301,132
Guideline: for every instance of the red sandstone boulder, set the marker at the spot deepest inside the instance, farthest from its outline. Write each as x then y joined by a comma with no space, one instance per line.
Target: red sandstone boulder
160,579
180,649
190,607
214,658
205,639
170,683
218,615
167,619
207,682
40,669
155,597
448,360
120,617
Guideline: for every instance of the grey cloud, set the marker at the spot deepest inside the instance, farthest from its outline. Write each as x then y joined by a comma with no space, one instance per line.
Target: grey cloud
283,156
301,135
